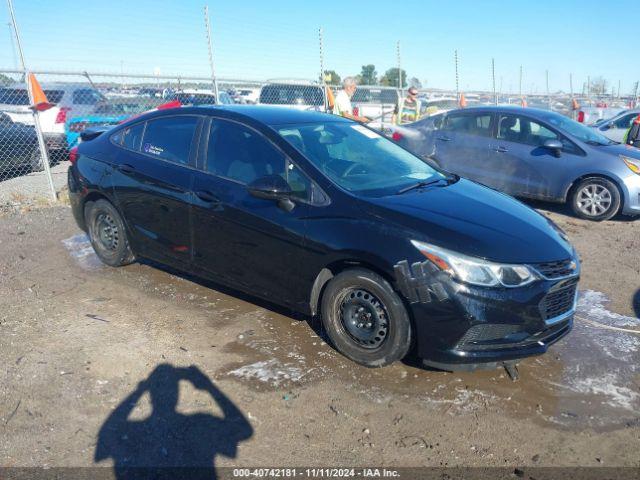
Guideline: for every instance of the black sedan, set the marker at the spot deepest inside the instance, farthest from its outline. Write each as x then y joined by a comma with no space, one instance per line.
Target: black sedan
327,217
19,152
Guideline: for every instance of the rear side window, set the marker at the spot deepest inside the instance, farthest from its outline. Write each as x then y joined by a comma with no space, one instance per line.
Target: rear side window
625,121
130,137
170,138
14,96
54,96
479,124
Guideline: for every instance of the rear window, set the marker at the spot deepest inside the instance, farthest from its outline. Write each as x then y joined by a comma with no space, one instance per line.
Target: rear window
19,96
86,96
291,95
375,95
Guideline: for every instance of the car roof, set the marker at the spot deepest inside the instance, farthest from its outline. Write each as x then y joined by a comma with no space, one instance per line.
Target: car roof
529,111
265,114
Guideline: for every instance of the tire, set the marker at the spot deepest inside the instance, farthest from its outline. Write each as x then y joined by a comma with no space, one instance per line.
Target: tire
365,318
35,163
595,199
107,233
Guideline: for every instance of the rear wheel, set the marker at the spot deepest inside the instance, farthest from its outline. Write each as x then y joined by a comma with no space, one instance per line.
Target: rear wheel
107,233
595,199
365,318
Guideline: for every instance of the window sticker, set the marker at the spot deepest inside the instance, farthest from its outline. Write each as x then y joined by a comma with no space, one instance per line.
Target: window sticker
152,149
365,131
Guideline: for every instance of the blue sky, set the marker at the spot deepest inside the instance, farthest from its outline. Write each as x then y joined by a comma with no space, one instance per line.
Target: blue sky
275,39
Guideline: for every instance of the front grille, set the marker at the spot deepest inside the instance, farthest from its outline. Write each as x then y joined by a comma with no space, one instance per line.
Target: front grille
553,270
559,300
487,332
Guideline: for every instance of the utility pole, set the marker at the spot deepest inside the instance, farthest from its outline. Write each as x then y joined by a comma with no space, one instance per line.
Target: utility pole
36,118
399,68
619,86
520,84
493,80
455,58
589,89
548,94
323,81
214,81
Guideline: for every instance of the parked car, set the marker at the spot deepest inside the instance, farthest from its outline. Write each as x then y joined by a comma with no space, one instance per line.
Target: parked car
325,216
532,153
69,100
594,115
375,103
248,95
294,95
19,151
616,127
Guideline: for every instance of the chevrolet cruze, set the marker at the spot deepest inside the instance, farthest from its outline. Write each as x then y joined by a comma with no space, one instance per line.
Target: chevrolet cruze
329,218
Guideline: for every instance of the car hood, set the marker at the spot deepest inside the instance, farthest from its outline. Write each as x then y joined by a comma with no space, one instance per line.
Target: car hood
621,149
475,220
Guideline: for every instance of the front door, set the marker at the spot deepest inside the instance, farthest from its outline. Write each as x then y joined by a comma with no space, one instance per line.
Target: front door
523,166
250,242
152,184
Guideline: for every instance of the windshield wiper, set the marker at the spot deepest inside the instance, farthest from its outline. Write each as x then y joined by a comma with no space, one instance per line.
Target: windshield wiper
451,179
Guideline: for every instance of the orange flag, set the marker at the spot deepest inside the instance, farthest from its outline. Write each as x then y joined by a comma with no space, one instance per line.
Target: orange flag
331,101
574,104
463,101
40,102
523,102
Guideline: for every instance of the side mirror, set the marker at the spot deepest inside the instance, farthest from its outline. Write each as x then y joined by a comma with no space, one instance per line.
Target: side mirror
555,146
272,187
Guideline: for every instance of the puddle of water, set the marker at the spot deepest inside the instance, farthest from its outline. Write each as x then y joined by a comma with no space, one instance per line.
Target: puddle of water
589,379
79,247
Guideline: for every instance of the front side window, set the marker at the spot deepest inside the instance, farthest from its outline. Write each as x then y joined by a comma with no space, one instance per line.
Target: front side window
170,138
242,154
356,158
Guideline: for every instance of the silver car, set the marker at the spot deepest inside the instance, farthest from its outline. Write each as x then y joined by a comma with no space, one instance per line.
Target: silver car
616,127
532,153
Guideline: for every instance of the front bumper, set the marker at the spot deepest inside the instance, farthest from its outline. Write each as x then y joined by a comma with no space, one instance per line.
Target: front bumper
459,325
631,194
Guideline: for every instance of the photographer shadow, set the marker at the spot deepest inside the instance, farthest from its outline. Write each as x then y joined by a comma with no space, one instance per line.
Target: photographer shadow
169,444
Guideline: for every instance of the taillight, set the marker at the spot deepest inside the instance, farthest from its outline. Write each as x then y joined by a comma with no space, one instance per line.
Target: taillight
78,127
396,136
62,115
581,116
73,155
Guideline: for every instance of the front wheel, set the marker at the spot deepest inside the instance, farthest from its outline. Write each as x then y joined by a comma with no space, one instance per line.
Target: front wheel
596,199
365,318
107,233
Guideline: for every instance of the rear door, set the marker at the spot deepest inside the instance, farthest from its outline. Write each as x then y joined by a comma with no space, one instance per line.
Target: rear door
522,166
248,242
462,143
152,184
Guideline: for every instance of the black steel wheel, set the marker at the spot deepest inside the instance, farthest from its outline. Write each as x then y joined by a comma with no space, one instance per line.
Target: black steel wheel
365,318
107,233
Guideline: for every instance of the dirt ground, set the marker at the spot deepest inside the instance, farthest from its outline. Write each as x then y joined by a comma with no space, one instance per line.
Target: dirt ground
86,350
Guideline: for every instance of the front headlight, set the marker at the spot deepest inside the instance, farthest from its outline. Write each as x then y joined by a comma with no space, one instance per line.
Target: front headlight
632,163
475,270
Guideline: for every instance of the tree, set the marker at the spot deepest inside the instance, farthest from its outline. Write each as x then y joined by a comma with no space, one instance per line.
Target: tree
368,75
331,77
599,86
415,83
390,78
4,80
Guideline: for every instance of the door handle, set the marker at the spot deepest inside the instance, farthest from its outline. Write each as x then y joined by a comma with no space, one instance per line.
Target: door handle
126,168
207,196
501,149
443,139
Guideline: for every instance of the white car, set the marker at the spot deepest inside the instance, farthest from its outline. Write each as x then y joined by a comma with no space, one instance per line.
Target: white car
615,128
70,100
294,95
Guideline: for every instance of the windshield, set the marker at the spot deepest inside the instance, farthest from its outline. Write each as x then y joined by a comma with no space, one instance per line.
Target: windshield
577,130
358,159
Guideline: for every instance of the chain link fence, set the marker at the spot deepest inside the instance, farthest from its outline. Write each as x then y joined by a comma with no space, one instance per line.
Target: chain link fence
82,100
